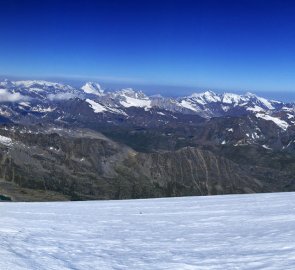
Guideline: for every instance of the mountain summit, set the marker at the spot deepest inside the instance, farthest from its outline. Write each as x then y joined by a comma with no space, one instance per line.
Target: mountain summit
92,88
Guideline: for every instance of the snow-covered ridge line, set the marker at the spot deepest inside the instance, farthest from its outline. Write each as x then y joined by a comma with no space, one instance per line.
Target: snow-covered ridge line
95,88
206,104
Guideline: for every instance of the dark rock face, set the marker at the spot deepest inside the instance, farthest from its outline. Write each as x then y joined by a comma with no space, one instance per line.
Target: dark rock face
82,164
191,171
66,164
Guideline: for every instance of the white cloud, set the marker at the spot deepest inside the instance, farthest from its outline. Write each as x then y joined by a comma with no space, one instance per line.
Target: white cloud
60,96
6,96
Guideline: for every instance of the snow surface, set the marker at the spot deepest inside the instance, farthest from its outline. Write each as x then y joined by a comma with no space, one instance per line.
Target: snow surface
217,232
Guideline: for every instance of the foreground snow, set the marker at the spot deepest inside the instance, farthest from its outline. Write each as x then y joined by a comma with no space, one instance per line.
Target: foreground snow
220,232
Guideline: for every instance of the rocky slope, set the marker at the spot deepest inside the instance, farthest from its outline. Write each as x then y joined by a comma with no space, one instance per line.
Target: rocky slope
83,164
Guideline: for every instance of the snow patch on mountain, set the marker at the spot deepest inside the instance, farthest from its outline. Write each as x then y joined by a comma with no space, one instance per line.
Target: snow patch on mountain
42,109
133,102
5,140
131,98
288,109
266,103
280,123
188,105
266,147
97,108
255,109
24,104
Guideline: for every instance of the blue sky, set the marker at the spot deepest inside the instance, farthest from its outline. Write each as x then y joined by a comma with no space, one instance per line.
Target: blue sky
236,45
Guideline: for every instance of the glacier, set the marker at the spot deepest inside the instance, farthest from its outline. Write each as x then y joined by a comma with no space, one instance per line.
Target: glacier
218,232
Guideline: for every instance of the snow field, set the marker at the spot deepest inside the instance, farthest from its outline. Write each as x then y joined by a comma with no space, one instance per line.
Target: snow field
217,232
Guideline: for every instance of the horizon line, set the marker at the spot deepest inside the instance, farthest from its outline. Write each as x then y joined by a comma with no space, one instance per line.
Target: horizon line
187,89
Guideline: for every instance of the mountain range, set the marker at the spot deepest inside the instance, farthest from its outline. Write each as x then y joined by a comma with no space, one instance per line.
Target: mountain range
62,142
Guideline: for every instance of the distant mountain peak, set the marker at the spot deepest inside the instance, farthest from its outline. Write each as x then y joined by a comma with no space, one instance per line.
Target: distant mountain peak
6,83
206,104
207,93
205,97
92,88
250,95
132,93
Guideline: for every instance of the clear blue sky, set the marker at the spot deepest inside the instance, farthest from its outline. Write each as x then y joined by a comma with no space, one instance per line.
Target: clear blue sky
231,45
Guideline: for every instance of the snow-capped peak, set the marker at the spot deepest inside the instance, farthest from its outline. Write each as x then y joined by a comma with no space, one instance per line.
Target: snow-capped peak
230,98
261,101
205,97
209,104
92,88
209,95
40,83
129,97
130,92
250,95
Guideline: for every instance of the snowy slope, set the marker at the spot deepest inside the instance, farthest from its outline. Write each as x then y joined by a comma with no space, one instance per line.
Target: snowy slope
131,98
281,123
219,232
97,108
